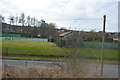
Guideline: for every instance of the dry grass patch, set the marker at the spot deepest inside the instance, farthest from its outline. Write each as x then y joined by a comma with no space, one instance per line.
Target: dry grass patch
45,72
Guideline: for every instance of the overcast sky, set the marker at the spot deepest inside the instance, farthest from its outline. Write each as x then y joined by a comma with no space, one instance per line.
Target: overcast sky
84,15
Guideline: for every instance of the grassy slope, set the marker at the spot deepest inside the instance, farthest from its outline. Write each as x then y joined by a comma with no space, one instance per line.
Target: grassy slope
47,48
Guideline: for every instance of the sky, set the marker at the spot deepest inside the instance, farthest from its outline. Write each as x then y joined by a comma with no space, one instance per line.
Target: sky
84,15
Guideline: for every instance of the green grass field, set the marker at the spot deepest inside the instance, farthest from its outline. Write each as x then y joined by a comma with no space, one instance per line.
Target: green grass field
48,48
30,48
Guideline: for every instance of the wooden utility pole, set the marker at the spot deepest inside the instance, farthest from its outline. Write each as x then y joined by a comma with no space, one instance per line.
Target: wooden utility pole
103,39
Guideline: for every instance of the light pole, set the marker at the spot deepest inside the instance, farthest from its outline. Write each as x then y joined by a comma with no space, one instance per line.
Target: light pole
103,39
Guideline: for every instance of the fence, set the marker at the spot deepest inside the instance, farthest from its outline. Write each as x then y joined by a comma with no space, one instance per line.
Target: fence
92,44
25,39
99,44
10,35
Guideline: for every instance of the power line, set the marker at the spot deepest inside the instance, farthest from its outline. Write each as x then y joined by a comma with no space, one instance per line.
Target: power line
77,19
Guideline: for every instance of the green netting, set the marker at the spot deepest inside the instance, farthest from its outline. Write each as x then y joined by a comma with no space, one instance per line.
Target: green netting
94,44
10,35
99,44
24,39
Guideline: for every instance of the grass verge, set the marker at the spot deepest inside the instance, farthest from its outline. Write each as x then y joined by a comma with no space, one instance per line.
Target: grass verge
59,59
33,58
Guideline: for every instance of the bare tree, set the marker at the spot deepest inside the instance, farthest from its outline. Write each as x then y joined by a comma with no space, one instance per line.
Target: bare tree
23,18
43,27
42,22
16,19
34,21
20,20
12,19
39,23
2,19
28,20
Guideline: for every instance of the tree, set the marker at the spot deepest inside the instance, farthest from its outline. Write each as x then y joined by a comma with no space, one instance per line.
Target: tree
48,30
43,28
39,23
51,29
28,20
16,19
2,19
12,19
23,19
34,21
20,20
51,32
63,28
42,23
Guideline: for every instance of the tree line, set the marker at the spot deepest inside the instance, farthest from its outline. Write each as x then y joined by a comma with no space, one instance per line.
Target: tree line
23,19
31,26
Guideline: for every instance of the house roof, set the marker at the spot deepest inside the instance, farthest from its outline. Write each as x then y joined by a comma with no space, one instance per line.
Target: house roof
116,39
64,34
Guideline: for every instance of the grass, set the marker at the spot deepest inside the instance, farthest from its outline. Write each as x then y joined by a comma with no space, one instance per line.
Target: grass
48,48
33,58
31,48
27,43
93,52
58,59
47,72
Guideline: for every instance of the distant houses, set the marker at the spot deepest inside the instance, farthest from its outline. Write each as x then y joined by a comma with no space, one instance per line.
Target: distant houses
62,34
116,39
65,35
